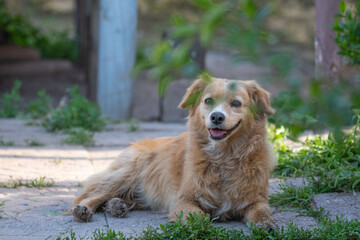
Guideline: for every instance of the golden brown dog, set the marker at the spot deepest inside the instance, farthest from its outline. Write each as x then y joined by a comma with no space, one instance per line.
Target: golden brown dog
221,166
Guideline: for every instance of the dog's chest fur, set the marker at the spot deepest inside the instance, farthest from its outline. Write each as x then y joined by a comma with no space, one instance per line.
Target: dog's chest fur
223,197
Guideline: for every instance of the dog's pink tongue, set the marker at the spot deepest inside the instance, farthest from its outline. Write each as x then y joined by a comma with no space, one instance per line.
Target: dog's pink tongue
218,133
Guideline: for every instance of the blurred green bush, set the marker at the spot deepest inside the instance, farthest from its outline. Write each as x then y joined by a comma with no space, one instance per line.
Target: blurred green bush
347,28
18,30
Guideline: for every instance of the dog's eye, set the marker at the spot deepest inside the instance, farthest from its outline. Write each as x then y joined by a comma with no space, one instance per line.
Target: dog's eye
209,101
235,104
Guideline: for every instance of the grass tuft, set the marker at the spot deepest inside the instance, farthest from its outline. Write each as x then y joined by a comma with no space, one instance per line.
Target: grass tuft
5,143
10,102
33,143
2,212
37,183
79,136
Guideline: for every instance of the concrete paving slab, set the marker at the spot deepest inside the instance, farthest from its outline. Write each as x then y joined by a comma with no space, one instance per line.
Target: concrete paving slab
284,217
15,130
339,204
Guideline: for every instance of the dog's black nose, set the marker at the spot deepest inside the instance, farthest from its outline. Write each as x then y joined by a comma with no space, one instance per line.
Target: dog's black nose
217,118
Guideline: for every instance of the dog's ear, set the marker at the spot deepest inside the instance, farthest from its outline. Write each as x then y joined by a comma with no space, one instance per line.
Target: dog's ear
260,97
193,94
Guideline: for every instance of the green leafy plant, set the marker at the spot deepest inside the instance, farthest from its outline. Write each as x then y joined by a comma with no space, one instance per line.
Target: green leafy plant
80,112
79,136
40,107
18,30
294,112
347,28
10,102
327,106
237,24
37,182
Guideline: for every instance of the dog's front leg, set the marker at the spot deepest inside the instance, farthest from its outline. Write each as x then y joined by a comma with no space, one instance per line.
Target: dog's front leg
184,207
259,214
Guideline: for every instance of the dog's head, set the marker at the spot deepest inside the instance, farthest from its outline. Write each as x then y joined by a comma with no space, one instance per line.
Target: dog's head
224,106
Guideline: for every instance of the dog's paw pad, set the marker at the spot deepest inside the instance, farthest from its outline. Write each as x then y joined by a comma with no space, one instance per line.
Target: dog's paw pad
268,225
82,213
117,207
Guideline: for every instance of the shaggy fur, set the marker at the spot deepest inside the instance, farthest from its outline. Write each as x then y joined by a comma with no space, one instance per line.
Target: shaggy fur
227,178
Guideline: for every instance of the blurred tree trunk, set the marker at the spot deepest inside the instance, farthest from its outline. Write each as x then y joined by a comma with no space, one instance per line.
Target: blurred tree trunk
328,62
87,28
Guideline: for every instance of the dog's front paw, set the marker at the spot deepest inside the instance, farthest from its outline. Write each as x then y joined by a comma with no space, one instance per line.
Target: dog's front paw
117,207
82,213
268,225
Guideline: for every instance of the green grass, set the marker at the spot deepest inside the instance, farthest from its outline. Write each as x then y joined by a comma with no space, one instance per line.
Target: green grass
4,143
79,136
52,213
198,227
2,212
33,143
56,161
133,125
37,183
328,165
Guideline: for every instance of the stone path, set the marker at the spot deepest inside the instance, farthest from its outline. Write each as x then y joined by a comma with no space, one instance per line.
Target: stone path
34,213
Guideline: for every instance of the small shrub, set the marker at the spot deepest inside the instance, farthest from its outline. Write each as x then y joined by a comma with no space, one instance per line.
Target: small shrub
79,136
80,112
10,102
6,143
133,125
40,107
33,143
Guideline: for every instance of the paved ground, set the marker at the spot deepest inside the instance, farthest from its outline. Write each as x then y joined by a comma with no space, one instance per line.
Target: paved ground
34,213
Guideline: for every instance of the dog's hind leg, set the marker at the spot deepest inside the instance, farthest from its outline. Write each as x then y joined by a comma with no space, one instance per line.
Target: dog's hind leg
118,181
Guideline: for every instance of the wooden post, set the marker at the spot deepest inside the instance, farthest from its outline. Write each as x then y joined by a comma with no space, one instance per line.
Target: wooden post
116,56
328,62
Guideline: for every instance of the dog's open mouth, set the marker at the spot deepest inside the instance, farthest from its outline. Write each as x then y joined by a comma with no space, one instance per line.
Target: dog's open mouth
218,133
